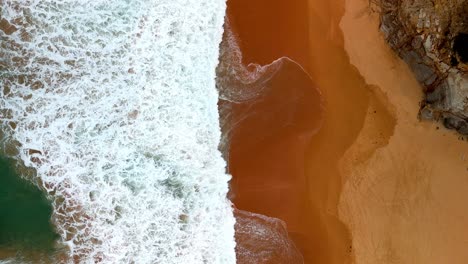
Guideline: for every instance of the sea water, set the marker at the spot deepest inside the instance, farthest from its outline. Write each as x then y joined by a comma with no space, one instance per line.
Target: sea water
268,114
24,213
114,105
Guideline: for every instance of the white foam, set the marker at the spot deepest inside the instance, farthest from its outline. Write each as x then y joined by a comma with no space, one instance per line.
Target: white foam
264,239
124,114
239,83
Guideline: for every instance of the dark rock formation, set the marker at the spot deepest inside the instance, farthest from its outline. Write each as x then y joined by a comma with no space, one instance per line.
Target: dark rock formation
432,37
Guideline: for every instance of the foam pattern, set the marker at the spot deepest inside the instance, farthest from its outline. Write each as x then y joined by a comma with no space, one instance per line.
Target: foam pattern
237,82
114,104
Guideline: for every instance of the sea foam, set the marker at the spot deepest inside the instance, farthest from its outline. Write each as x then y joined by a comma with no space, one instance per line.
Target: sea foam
114,104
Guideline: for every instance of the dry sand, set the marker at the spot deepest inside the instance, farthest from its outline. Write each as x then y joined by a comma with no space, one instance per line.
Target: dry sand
405,183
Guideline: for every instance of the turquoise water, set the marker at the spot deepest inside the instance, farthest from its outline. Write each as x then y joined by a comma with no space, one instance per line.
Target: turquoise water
24,213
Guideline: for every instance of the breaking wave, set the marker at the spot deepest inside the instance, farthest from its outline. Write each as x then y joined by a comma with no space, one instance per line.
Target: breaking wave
114,104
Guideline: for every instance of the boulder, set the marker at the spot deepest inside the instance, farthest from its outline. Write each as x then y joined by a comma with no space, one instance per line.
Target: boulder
431,36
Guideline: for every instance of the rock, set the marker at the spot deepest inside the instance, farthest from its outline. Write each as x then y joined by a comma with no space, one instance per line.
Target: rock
453,122
431,36
424,73
460,46
463,129
433,97
417,42
426,113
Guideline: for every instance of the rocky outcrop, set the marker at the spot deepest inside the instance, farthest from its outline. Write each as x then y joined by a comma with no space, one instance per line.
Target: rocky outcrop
432,37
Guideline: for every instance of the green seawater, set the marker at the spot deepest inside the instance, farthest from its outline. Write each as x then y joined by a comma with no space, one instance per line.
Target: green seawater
24,213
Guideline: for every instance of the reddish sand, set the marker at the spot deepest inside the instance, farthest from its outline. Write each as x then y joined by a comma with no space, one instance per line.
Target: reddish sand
267,151
287,174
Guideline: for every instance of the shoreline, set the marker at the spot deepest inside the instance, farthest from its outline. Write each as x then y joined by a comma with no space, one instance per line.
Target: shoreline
347,99
404,200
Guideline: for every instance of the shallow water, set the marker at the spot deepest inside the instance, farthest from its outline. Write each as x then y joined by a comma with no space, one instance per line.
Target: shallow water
285,171
255,109
24,214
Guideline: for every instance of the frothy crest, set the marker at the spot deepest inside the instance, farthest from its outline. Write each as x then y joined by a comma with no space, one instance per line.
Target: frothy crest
114,104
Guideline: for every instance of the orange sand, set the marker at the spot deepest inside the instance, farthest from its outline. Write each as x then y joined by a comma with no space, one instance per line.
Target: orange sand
277,179
347,100
404,201
375,175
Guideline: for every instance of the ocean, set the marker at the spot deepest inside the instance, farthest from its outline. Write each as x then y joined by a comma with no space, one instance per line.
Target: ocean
114,106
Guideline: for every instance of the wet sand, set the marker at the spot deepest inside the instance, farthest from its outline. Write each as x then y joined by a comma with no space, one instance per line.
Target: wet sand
347,99
267,152
309,169
404,201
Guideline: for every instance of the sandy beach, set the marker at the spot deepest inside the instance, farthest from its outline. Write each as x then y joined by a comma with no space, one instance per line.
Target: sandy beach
272,29
405,182
334,148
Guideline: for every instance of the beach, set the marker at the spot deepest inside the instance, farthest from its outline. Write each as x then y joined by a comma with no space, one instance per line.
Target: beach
310,168
403,201
381,185
319,130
